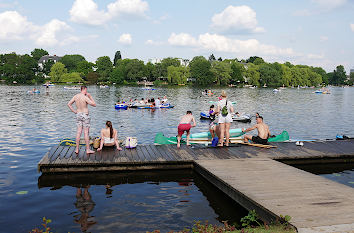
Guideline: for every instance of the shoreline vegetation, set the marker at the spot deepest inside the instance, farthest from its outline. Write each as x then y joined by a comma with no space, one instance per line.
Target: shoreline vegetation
250,224
38,68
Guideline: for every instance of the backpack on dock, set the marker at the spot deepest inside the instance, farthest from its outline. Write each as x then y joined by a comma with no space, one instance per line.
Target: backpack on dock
131,142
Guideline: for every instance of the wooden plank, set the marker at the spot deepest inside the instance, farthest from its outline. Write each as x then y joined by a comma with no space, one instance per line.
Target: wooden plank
146,153
98,156
56,154
82,152
258,145
158,155
140,155
271,187
151,152
165,153
64,152
170,153
70,152
52,151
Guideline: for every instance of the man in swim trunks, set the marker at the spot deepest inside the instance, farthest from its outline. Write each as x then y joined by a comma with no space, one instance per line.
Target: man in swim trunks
185,126
263,132
82,116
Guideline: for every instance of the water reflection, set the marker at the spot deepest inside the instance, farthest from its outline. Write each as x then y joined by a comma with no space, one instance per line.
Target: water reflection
85,205
143,201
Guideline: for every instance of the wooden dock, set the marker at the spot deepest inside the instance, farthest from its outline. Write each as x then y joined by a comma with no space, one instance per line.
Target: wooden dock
252,176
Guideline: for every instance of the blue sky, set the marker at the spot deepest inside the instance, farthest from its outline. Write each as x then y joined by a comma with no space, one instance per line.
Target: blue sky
311,32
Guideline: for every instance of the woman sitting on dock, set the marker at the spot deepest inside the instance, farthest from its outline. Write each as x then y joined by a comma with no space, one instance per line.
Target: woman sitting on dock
109,137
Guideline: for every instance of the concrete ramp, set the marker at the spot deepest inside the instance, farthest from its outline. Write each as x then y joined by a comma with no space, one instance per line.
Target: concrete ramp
315,204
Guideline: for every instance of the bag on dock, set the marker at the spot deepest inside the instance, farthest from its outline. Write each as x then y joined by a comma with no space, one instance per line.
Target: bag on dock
131,142
96,142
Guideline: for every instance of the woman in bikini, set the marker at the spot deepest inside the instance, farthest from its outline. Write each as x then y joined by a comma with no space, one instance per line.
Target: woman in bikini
109,137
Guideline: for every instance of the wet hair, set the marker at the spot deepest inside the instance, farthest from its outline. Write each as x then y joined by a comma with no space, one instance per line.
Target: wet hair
260,117
189,112
212,106
83,88
109,124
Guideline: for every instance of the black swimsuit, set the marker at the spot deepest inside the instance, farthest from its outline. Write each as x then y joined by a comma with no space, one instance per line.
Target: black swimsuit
258,139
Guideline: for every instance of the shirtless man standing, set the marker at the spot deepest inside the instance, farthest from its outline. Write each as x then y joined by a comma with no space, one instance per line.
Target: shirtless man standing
185,125
82,116
263,132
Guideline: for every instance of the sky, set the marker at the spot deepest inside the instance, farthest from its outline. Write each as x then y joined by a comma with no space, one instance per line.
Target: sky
309,32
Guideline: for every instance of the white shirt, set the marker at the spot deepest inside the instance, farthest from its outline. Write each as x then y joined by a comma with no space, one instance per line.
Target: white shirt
157,103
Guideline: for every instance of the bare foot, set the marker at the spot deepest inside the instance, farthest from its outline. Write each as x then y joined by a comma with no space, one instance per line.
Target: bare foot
220,144
90,151
99,149
77,151
188,144
119,148
178,145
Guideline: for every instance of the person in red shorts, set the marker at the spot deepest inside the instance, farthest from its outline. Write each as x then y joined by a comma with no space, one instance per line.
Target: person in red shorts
185,126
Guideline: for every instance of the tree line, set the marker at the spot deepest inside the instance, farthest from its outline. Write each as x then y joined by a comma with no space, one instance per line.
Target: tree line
199,71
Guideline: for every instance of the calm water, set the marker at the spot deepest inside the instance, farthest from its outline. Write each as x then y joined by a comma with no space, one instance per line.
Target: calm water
31,124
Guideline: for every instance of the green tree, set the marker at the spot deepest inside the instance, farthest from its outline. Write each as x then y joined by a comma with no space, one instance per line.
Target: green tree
254,59
338,77
212,58
26,69
177,75
351,79
134,70
285,75
38,53
321,72
71,61
57,70
166,62
84,67
117,57
92,77
270,74
252,74
73,77
200,71
104,67
117,76
150,71
221,71
237,72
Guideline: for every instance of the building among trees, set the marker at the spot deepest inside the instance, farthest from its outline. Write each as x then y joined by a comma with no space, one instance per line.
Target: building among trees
47,58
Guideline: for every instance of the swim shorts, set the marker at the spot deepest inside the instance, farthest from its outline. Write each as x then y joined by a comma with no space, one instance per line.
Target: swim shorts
259,140
82,120
183,128
225,119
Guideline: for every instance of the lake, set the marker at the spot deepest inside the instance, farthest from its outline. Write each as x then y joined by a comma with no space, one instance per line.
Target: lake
32,123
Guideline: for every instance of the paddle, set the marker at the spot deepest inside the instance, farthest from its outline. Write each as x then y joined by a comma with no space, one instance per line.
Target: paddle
257,145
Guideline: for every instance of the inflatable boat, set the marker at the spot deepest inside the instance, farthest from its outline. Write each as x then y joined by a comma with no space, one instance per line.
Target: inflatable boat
245,118
121,106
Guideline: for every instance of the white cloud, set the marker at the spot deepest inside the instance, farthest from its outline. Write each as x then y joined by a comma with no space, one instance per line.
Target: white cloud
236,19
14,26
182,39
352,26
48,33
87,12
125,38
152,42
323,38
220,43
17,27
329,4
128,7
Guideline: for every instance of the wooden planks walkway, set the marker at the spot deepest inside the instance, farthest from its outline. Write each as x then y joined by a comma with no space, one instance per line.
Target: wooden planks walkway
273,189
249,175
64,159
